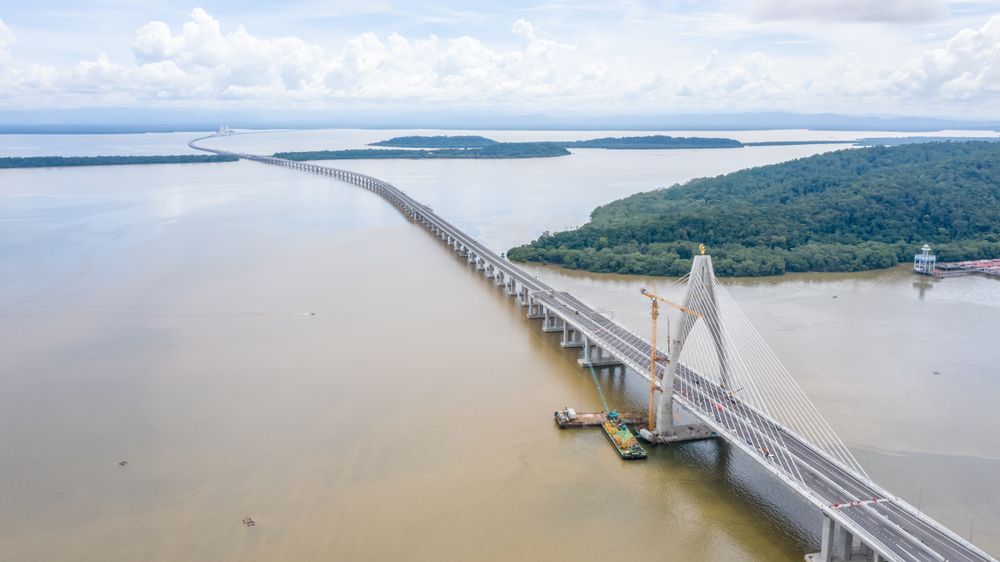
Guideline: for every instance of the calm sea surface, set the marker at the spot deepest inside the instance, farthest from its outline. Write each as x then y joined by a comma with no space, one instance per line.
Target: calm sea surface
159,315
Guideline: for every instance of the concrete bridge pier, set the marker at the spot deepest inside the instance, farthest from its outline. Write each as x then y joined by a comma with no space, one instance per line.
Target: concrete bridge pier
837,545
571,337
512,287
523,297
535,309
551,322
596,357
499,279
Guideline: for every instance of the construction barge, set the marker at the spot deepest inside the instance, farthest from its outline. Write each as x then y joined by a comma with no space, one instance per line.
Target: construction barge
614,426
571,419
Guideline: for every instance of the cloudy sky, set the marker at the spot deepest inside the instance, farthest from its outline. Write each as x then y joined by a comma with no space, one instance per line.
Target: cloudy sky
861,57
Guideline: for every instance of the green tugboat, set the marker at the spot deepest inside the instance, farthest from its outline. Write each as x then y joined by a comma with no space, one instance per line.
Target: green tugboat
623,440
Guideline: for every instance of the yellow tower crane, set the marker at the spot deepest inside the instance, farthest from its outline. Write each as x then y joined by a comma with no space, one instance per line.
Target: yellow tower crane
654,355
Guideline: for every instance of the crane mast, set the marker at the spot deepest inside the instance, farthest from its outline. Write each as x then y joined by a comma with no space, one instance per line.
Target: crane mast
654,314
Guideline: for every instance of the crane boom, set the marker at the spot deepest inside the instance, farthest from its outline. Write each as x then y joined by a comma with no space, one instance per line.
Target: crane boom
679,307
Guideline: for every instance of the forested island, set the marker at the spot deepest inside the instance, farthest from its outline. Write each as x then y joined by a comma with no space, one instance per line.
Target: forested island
848,210
438,141
66,161
473,146
653,142
493,151
798,143
893,141
612,143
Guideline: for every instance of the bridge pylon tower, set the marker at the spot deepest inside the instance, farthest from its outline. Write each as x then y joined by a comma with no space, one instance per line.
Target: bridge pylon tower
700,298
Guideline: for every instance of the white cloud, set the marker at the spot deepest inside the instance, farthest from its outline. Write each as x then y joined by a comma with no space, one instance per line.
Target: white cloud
6,40
14,80
753,76
201,62
968,66
523,28
850,10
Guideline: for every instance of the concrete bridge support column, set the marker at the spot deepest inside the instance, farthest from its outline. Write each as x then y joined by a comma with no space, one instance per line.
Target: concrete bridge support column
585,354
837,545
846,544
826,542
512,287
594,356
523,296
499,277
867,553
552,323
535,309
571,337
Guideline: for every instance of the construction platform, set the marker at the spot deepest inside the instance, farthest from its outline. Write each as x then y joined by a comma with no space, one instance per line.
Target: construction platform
990,268
593,419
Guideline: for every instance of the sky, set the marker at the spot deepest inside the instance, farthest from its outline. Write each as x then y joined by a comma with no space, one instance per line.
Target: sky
857,57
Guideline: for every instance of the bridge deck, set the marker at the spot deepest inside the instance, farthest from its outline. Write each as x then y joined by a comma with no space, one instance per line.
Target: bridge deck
895,529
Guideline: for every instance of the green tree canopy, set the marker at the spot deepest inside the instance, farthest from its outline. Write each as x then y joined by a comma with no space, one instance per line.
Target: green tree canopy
848,210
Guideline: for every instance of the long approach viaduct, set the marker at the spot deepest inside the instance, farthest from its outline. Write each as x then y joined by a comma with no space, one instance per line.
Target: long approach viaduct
722,372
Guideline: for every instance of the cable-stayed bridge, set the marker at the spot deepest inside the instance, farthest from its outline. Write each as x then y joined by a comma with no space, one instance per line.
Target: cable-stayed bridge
722,372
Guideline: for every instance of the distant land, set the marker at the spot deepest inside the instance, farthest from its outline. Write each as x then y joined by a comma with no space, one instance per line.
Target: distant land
438,141
895,141
70,161
494,151
654,142
797,142
621,143
133,120
849,210
418,147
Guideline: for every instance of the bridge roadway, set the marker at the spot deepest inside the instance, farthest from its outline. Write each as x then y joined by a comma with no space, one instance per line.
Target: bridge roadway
893,528
900,528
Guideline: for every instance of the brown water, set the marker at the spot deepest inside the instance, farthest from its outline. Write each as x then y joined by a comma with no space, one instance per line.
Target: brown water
154,315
